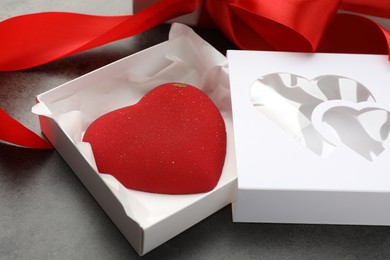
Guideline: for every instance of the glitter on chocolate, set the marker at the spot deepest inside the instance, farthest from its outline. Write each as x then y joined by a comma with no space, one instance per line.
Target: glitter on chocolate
173,141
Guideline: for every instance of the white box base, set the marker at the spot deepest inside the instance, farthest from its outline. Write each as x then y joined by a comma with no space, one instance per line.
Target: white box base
147,220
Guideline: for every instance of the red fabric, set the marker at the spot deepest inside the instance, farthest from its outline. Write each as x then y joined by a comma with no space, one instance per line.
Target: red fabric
379,8
284,25
11,131
35,39
290,25
300,25
354,34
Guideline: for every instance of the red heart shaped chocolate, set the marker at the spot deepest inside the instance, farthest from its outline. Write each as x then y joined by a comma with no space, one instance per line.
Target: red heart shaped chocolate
172,141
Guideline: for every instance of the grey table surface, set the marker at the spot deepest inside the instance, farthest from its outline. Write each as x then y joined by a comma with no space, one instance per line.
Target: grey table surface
46,213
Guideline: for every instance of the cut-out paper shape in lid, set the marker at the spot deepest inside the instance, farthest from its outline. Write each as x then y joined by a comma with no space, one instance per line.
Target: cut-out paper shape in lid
323,113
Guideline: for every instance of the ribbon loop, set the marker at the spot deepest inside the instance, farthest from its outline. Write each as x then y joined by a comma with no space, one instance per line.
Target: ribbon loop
300,25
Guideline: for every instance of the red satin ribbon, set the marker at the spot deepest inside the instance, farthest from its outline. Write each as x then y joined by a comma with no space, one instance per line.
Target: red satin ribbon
13,132
35,39
300,25
273,25
379,8
285,25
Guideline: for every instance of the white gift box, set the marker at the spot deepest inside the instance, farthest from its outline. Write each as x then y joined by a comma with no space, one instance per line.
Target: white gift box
145,219
311,137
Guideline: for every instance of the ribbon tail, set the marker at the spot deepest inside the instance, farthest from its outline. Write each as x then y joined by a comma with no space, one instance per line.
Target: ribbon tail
145,19
13,132
35,39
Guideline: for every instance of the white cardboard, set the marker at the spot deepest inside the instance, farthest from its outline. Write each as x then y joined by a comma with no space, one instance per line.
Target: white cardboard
146,219
281,180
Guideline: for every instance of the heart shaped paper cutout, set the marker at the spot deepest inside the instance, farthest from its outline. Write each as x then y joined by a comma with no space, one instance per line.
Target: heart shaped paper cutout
362,127
289,100
173,141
